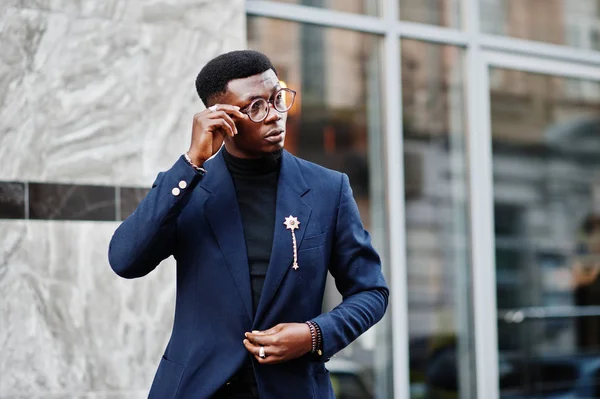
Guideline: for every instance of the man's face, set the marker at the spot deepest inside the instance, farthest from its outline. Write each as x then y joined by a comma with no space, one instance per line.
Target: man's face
255,139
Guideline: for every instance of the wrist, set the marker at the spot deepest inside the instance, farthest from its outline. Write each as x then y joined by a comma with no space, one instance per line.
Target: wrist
308,345
195,159
197,165
316,338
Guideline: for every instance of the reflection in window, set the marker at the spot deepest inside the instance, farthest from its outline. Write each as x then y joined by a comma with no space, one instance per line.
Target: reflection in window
433,12
545,158
574,23
596,383
336,122
436,220
369,7
539,378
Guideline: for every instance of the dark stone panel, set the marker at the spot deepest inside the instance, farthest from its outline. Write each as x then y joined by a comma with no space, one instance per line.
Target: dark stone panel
12,200
130,199
71,202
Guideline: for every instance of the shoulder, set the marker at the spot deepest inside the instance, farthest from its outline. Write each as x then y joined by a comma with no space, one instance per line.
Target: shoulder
313,172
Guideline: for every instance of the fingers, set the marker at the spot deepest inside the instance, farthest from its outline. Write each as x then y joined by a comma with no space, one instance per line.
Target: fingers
262,339
253,349
222,125
272,355
231,110
271,341
223,116
267,337
270,331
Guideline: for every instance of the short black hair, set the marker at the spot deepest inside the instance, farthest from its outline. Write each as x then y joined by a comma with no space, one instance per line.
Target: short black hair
214,76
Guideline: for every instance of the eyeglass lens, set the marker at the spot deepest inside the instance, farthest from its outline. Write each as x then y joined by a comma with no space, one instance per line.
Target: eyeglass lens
282,102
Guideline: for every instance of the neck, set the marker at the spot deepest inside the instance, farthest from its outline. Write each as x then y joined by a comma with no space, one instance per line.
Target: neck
268,163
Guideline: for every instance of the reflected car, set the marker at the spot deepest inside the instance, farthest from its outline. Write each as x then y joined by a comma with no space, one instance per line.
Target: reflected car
556,377
565,377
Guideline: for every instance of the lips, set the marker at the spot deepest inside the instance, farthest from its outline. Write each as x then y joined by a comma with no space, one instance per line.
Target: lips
274,132
275,136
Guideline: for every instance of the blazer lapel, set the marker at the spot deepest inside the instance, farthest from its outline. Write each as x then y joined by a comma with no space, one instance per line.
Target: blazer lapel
223,214
291,187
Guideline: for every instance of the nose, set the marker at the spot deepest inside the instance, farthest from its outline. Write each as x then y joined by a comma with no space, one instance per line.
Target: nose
273,115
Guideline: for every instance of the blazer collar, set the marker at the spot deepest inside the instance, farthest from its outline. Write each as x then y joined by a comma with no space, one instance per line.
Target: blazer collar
223,214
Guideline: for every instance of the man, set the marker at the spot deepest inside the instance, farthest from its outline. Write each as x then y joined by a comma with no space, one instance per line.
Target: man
254,231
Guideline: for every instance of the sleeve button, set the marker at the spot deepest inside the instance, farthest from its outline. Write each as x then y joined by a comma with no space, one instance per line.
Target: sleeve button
176,191
182,184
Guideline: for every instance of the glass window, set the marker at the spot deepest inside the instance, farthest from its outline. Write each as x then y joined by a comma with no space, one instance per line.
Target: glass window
441,357
434,12
547,215
336,122
574,23
368,7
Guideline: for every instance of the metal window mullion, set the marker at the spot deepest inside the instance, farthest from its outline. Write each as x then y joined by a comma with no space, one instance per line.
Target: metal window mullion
529,48
482,222
396,201
481,210
316,16
431,33
548,67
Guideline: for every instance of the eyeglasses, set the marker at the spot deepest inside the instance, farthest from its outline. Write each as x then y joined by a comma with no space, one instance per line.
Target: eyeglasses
282,100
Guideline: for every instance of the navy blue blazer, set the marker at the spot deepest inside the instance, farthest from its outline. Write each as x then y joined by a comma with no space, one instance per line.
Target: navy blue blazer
196,219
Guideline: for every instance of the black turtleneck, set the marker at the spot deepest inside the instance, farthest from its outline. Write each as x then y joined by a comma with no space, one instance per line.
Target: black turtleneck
255,183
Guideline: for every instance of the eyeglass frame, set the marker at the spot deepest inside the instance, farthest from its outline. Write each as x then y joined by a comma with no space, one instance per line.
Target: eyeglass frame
270,103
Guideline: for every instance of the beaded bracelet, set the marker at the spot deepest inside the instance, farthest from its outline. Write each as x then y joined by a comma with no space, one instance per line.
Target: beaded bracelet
316,337
313,336
193,165
319,340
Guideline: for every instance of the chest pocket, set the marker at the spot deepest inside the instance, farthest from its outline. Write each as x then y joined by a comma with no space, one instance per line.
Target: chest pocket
313,242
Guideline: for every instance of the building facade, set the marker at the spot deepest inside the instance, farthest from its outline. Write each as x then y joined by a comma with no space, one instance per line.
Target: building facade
470,130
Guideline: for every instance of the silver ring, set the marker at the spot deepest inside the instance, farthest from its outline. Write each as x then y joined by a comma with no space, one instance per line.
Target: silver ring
261,352
213,108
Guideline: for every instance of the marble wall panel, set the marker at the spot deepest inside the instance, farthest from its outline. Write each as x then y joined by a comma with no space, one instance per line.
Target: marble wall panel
93,92
78,85
8,4
214,18
70,325
20,36
84,88
100,100
225,17
107,9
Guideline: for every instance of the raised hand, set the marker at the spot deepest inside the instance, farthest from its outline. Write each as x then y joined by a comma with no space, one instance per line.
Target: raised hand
209,129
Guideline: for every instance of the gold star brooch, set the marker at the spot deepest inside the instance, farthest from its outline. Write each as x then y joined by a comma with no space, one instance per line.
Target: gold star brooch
292,223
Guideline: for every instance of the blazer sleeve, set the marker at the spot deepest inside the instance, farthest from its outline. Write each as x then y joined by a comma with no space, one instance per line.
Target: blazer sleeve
356,268
147,236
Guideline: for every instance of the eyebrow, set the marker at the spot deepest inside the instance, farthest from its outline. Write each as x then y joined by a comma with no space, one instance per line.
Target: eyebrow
256,96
